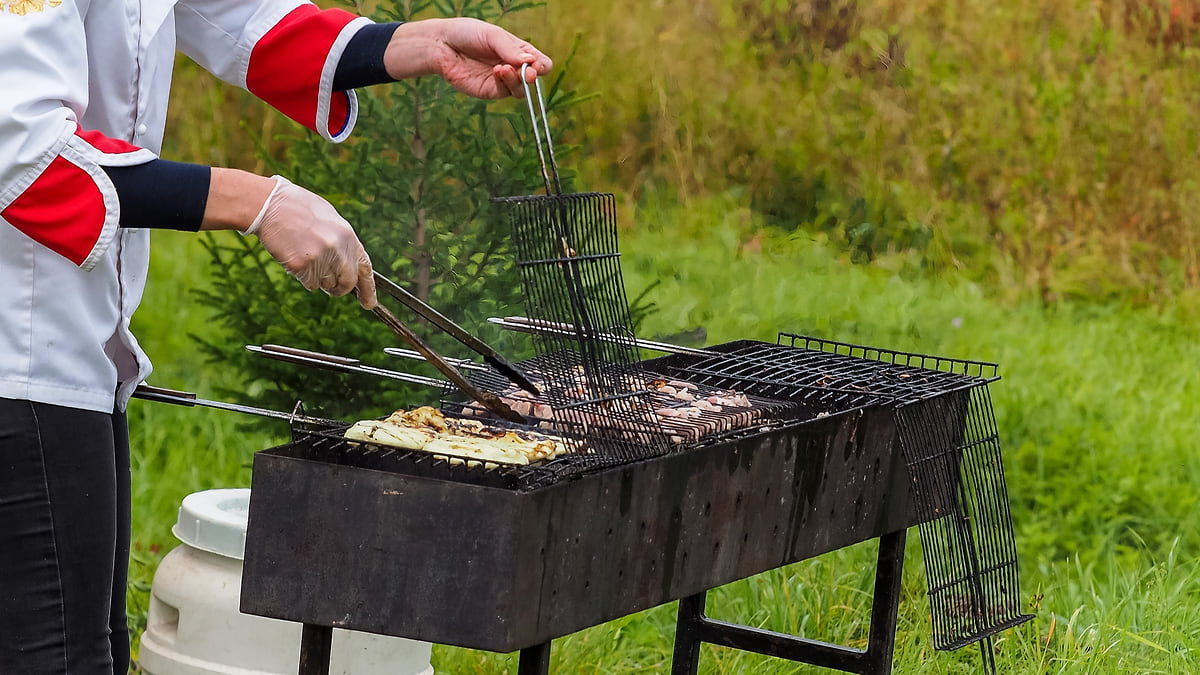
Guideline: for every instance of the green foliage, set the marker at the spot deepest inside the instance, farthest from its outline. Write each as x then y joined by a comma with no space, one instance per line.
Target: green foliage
1095,410
1043,147
415,181
1034,154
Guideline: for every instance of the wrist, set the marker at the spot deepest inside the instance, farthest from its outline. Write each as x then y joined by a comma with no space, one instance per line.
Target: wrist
235,199
412,50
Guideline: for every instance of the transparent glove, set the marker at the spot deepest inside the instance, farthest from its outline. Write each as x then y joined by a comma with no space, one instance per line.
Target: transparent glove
312,241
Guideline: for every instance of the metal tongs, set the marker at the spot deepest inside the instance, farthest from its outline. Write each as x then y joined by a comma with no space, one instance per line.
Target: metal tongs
501,364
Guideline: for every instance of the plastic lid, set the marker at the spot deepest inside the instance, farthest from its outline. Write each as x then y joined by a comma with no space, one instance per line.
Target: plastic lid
215,521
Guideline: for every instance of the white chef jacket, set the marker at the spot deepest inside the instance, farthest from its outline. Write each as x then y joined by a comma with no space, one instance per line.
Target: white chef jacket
84,84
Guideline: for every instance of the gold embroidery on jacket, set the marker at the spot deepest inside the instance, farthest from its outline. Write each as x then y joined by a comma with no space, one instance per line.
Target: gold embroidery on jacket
23,7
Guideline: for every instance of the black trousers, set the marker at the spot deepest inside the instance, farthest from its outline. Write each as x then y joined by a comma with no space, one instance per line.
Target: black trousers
64,540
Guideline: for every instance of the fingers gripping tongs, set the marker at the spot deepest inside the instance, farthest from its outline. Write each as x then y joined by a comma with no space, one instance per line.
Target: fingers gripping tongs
491,356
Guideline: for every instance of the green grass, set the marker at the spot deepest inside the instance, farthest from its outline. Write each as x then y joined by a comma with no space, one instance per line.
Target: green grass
1096,410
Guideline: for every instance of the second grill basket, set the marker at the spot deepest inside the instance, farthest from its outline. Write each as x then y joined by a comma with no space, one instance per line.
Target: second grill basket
566,247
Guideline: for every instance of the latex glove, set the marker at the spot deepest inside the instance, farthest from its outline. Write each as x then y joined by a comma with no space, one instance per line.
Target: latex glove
312,241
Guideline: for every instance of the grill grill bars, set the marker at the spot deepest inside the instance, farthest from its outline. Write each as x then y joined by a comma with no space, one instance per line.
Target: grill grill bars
966,528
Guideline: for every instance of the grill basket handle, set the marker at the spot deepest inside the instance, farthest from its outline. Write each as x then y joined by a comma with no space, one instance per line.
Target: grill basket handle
537,135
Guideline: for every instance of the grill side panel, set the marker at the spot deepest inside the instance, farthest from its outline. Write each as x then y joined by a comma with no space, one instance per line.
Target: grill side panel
502,570
373,551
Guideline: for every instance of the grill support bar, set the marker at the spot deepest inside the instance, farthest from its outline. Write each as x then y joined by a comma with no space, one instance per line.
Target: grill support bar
694,628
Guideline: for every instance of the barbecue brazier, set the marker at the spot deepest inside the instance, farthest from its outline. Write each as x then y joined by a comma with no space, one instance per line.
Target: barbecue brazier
834,444
395,542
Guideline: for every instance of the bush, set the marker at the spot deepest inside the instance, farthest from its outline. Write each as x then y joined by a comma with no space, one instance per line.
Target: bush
415,181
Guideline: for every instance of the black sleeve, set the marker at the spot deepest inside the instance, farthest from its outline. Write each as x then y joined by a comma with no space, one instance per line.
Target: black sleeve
361,64
161,194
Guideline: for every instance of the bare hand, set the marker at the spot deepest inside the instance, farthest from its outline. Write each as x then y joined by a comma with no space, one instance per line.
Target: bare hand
475,57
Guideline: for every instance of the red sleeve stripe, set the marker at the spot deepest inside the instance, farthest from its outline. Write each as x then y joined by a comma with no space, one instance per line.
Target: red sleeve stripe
72,207
288,69
110,146
64,210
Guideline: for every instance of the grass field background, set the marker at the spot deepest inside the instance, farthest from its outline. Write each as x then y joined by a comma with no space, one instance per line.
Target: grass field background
1096,410
1014,182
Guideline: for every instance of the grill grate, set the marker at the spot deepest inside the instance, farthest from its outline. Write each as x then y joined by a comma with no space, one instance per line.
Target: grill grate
659,407
805,367
326,443
966,527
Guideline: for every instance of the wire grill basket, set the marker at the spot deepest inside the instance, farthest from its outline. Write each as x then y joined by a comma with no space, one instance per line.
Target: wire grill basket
566,248
951,447
966,527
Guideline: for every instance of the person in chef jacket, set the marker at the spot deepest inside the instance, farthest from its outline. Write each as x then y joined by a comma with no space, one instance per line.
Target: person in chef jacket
83,103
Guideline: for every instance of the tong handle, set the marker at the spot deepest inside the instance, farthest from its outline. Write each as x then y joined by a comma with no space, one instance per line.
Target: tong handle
164,395
485,398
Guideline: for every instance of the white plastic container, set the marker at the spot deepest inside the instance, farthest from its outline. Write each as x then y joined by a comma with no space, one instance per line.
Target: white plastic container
195,627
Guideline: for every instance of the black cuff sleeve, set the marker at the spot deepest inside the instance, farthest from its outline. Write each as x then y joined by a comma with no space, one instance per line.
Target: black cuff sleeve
161,194
361,64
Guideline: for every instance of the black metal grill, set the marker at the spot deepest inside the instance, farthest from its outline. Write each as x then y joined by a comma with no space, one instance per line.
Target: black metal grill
339,535
950,445
841,444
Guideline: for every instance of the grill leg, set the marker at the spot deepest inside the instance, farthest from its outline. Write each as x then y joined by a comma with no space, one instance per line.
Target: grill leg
688,624
534,660
881,642
693,628
316,643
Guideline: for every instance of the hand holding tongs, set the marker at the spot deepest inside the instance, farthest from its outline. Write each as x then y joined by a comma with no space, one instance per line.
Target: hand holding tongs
487,399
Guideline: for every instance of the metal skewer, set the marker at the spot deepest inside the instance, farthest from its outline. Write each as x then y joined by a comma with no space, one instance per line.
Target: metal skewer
463,364
523,324
343,364
185,398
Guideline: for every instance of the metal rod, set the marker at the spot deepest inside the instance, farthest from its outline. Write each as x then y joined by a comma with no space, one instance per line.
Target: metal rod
523,324
185,398
462,364
988,655
537,84
534,660
338,363
885,608
685,660
694,628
